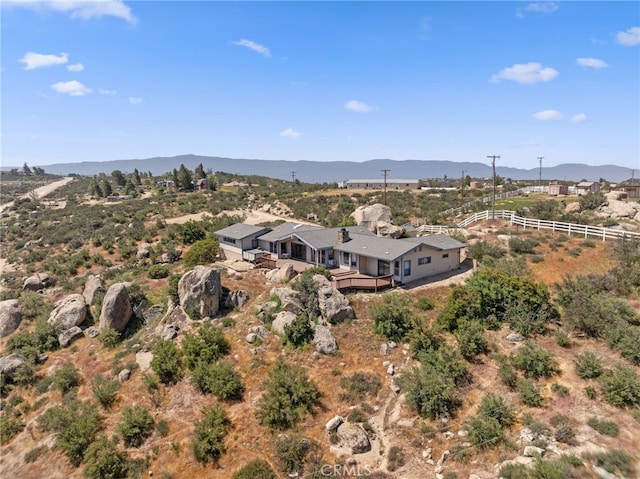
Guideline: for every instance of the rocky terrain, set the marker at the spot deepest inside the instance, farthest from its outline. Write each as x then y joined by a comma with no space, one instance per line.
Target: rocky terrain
219,369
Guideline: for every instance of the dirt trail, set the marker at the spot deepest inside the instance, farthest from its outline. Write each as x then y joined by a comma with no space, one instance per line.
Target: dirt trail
40,192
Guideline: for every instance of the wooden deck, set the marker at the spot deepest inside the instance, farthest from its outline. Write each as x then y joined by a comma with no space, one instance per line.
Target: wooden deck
342,280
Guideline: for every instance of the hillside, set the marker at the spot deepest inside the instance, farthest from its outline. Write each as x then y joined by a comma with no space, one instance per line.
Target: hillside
416,370
336,171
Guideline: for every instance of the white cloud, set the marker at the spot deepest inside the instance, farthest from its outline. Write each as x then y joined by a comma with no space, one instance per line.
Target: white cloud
579,118
290,133
256,47
135,100
83,9
104,91
629,38
548,115
38,60
71,88
357,106
591,63
531,72
538,7
76,67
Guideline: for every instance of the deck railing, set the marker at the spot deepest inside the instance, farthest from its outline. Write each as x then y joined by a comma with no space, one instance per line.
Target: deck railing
555,226
371,283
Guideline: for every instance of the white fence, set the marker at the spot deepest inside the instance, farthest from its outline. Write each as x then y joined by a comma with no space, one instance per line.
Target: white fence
555,226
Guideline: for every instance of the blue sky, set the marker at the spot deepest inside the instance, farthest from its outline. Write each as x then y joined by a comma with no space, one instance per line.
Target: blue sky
319,81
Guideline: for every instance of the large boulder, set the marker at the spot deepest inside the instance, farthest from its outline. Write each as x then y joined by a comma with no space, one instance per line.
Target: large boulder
282,274
67,337
234,299
92,286
284,318
323,340
70,311
9,365
386,229
353,437
289,299
369,216
200,290
10,316
37,282
144,251
116,308
618,209
333,305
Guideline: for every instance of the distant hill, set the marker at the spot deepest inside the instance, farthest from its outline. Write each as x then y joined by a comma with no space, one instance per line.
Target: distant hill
334,171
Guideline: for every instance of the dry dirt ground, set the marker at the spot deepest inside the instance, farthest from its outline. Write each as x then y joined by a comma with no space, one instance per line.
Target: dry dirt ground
393,422
41,192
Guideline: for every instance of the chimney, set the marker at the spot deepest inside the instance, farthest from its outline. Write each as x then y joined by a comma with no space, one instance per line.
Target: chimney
343,236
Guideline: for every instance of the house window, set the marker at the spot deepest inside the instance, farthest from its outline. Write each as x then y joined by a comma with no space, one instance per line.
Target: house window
273,248
425,260
396,268
344,258
407,267
446,255
226,239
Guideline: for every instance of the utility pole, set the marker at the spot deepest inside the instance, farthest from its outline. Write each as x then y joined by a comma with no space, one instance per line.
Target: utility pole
540,158
493,196
462,187
293,176
385,185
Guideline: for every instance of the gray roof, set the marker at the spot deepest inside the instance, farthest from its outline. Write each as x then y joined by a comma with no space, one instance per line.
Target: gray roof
439,242
286,229
240,231
326,238
391,249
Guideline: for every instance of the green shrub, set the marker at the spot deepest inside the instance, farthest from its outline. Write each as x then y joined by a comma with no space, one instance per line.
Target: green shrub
291,452
494,406
207,444
360,385
158,271
208,345
167,362
109,338
256,469
299,332
535,361
590,392
219,378
529,393
75,424
620,386
425,304
391,321
424,338
484,431
615,462
105,390
560,388
10,425
522,246
31,344
588,365
104,460
34,454
289,396
395,458
66,378
162,426
603,427
135,426
562,339
481,250
506,371
471,339
204,251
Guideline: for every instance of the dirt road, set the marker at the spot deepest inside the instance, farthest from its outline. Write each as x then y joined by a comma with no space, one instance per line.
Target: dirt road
40,192
252,217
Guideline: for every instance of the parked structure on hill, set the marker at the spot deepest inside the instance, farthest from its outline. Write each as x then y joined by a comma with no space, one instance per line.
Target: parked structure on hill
378,184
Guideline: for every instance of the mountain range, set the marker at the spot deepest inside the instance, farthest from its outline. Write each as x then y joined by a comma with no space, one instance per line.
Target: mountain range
336,171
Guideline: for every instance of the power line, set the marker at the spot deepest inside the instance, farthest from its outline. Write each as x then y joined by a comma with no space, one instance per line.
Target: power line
493,195
293,176
385,185
540,158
